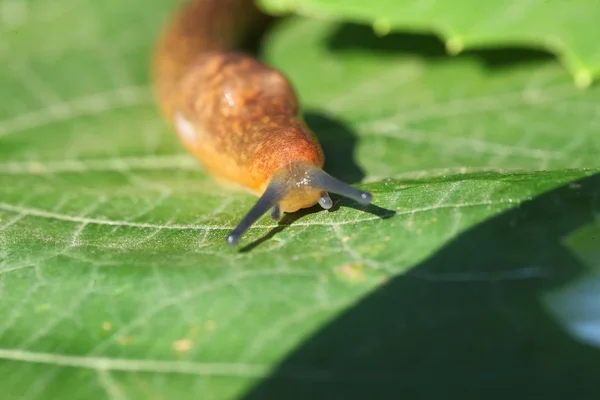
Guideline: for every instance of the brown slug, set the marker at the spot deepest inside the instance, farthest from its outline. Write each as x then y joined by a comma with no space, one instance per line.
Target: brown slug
239,117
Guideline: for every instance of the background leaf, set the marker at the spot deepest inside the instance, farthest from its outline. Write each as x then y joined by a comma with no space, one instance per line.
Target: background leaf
116,282
568,29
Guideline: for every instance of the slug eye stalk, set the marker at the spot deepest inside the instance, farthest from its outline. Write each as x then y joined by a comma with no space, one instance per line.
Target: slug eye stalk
320,179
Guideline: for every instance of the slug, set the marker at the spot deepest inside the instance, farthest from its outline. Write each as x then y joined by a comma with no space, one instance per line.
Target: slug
238,116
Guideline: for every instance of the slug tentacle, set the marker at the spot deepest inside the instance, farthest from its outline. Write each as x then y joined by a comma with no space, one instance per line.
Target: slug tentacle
319,179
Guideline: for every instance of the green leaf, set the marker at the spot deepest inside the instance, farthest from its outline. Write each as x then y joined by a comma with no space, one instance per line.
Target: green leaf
565,28
115,277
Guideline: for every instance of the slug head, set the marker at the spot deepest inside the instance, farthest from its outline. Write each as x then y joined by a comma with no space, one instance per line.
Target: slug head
295,186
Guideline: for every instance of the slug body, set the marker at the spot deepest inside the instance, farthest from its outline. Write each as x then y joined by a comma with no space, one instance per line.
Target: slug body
239,117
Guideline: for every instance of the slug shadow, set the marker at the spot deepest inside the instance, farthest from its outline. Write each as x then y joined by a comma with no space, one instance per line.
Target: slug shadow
467,322
285,221
338,142
361,38
339,145
289,219
374,209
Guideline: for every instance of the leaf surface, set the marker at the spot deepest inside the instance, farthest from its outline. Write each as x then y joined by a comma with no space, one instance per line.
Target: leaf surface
114,276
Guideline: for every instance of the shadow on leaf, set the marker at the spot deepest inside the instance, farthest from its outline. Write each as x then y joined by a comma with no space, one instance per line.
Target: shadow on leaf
339,145
356,37
467,322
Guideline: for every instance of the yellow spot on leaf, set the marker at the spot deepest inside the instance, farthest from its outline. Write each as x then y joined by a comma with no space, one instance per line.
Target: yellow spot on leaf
351,272
210,325
107,326
125,340
35,168
182,345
